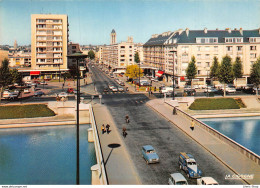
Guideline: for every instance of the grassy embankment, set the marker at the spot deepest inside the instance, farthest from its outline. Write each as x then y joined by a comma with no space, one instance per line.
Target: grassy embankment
25,111
217,104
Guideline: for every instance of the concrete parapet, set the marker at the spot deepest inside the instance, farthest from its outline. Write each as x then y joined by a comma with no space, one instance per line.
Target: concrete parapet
95,175
90,135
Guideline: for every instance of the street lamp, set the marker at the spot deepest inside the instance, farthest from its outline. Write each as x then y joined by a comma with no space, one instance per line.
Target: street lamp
173,98
77,56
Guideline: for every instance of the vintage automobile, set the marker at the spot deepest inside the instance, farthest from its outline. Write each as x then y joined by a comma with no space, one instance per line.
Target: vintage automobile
38,94
70,90
120,88
63,94
149,154
206,181
177,179
114,89
189,165
105,89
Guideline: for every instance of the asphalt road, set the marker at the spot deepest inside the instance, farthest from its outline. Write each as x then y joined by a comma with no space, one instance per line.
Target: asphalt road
148,127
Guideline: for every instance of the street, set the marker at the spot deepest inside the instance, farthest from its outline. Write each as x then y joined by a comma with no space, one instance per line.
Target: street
148,127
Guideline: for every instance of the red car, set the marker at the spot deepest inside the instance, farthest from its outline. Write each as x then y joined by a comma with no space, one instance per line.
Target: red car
70,90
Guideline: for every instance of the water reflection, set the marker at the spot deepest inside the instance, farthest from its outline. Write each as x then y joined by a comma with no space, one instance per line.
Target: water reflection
245,131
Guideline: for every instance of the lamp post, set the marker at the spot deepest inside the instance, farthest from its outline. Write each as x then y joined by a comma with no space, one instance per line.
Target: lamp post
173,98
59,72
77,56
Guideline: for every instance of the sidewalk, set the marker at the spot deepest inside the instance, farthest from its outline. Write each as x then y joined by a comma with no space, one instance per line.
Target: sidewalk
233,159
120,168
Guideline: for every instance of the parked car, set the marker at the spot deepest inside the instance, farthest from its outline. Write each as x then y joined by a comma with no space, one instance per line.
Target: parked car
120,88
190,92
105,89
26,91
63,94
210,90
230,89
149,154
38,94
70,90
167,89
114,89
206,181
43,83
177,179
189,165
110,86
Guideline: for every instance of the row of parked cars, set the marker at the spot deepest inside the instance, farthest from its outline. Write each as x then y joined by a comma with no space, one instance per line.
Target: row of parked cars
186,162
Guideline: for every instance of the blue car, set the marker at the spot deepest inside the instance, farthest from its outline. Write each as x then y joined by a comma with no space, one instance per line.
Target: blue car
189,165
149,154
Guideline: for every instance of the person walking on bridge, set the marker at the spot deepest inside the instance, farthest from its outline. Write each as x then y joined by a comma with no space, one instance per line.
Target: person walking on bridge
124,132
192,125
103,129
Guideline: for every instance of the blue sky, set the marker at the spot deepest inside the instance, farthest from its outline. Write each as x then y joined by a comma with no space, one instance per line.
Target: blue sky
91,21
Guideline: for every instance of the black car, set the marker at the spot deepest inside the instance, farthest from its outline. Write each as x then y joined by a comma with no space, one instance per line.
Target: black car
190,92
38,94
106,89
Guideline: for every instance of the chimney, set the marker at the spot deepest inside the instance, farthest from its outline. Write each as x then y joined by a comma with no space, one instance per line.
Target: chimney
228,29
187,31
205,30
180,31
241,31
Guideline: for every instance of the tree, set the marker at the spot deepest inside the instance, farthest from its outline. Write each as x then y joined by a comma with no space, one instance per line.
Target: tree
91,54
191,70
5,75
16,76
137,59
255,74
225,72
66,75
132,71
214,68
237,69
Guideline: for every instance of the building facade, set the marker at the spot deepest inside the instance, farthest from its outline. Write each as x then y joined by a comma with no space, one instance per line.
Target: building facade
161,50
49,44
20,60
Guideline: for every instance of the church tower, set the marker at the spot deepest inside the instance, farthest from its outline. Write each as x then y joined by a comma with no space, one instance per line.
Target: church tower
113,37
15,44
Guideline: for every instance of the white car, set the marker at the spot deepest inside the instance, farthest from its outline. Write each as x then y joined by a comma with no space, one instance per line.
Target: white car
26,91
177,179
230,89
110,86
210,90
63,94
120,89
206,181
114,89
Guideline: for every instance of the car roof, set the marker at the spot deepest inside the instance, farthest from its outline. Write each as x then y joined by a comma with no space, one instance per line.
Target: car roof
148,147
209,180
178,177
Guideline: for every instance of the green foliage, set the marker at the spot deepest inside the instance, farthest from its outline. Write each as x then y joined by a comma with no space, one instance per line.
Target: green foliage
214,68
214,104
25,111
132,71
91,54
225,71
73,71
16,76
255,73
5,75
191,70
137,59
237,68
66,75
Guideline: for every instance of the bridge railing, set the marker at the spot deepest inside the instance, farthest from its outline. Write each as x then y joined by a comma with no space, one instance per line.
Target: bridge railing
249,154
99,154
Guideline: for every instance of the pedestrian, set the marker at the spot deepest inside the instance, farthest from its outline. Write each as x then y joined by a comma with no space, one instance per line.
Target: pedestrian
107,128
174,111
154,88
124,132
103,129
192,125
127,119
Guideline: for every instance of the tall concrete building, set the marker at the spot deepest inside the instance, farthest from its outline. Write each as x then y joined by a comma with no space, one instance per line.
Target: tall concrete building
113,37
49,45
162,49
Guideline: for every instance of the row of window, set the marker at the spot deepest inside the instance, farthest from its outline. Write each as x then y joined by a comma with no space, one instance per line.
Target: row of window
208,48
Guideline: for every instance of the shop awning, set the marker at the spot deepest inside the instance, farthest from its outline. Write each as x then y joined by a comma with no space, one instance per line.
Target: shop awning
159,73
35,73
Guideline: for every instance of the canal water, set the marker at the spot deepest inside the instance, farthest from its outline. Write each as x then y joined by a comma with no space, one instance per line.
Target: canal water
244,130
44,155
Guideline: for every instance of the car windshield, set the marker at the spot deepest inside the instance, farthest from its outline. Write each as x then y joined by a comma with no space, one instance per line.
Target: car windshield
181,183
191,163
150,151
